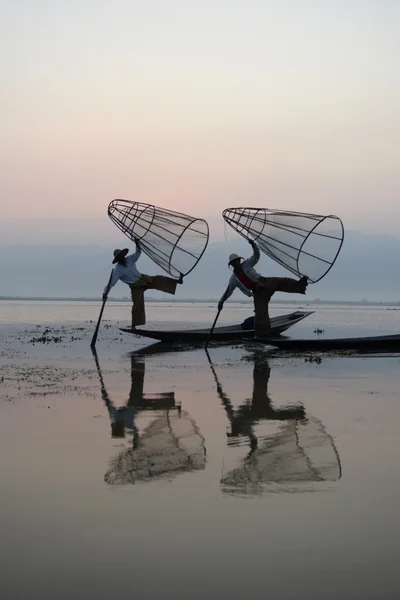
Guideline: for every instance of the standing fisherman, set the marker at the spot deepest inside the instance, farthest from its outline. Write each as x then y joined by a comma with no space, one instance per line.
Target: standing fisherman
127,272
251,283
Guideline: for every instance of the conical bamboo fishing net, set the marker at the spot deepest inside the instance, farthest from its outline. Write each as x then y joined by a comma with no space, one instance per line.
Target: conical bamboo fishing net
174,241
305,244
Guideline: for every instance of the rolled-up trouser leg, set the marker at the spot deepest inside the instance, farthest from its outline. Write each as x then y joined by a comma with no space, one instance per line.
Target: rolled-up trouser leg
138,310
262,323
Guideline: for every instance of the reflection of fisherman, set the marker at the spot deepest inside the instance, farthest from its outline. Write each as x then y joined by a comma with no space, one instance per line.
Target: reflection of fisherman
259,407
300,451
251,283
169,445
127,272
123,418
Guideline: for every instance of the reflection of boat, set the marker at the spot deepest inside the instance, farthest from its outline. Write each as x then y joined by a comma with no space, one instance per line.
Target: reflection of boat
380,343
170,444
230,332
301,451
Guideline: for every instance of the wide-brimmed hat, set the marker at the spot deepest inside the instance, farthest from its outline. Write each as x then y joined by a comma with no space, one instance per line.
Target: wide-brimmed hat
233,257
117,252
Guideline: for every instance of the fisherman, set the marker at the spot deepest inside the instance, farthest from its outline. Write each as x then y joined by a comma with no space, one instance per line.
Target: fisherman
127,272
251,283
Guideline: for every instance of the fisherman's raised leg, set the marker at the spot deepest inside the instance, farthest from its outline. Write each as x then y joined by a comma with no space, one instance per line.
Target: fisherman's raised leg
165,284
160,283
284,284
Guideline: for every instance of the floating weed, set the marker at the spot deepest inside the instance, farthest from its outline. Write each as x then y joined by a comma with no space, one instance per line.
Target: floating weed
313,359
46,339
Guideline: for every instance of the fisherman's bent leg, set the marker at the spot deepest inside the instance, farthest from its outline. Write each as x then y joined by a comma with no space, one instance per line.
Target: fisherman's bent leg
262,323
283,284
159,282
164,284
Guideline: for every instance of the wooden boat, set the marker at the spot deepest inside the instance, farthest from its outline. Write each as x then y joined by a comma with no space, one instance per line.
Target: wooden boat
380,343
227,333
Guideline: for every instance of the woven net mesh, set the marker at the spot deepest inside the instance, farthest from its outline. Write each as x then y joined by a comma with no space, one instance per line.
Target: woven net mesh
169,446
303,243
174,241
302,452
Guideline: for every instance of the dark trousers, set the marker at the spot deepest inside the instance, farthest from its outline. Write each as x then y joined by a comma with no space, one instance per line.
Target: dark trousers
148,282
266,288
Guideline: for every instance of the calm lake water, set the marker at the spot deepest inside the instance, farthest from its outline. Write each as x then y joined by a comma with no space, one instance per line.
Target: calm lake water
187,475
335,320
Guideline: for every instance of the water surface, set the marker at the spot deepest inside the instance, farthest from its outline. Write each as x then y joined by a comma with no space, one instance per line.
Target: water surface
183,475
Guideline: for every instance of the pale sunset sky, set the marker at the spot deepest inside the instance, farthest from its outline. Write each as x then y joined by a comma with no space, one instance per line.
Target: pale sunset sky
198,106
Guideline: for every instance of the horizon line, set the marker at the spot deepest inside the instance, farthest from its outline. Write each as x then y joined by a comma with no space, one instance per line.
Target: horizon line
197,300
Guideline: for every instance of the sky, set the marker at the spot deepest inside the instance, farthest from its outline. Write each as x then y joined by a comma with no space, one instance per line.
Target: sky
199,106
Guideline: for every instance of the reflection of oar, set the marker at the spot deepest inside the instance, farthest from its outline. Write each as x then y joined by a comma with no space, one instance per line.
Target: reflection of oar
223,397
230,412
104,393
94,338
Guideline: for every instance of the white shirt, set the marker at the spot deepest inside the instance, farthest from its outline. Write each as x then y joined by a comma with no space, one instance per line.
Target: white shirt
129,273
247,266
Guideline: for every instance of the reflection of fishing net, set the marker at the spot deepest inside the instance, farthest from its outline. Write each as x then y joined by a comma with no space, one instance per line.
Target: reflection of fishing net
305,244
302,452
170,445
174,241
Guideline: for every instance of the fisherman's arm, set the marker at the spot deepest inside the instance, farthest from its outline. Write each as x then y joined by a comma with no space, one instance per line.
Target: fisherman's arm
253,260
136,255
227,294
111,283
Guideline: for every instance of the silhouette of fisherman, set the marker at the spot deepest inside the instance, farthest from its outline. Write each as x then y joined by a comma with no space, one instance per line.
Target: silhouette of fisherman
258,408
123,419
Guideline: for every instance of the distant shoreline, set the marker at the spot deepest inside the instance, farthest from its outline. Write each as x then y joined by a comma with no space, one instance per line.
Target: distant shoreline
313,302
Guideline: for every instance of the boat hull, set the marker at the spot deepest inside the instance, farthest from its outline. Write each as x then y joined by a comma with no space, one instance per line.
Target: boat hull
383,343
228,333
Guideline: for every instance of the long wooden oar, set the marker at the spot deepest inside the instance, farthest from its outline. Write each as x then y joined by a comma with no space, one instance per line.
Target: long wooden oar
94,338
216,319
212,328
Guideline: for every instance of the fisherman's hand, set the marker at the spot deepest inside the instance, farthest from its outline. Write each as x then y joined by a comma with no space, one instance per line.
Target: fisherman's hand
220,305
137,244
104,297
252,243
